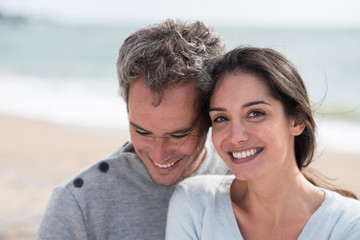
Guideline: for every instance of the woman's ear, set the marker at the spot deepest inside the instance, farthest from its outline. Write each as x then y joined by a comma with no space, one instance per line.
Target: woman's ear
297,126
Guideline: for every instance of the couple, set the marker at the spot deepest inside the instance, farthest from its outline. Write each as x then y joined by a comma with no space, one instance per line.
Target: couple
262,128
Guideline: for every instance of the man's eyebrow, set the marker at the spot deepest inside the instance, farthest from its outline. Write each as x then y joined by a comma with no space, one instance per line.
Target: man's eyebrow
249,104
179,131
137,126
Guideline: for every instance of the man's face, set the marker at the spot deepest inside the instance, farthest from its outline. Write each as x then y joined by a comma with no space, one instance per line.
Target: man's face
166,137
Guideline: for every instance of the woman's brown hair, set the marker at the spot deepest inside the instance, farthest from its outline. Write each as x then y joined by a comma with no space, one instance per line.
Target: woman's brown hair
286,85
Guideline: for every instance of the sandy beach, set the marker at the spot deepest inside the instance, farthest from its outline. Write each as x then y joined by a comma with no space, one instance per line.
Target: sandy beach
36,156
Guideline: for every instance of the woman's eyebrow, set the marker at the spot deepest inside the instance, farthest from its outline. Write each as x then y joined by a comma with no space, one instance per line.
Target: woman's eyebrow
217,109
249,104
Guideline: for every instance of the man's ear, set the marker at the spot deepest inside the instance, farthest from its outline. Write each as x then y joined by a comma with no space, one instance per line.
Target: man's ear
297,126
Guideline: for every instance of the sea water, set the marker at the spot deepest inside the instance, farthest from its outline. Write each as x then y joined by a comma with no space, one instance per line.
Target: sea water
66,73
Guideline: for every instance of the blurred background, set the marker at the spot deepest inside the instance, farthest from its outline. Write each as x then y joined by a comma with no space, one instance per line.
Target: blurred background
59,105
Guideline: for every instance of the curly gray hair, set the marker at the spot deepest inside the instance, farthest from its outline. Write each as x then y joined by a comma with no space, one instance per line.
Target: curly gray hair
168,53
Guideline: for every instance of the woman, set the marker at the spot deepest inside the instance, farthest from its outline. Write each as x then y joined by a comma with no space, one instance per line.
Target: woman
263,128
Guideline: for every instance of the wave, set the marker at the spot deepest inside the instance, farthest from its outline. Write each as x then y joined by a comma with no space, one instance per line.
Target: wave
340,135
76,102
96,105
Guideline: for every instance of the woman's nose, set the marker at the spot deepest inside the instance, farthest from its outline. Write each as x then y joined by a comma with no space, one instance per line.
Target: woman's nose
238,133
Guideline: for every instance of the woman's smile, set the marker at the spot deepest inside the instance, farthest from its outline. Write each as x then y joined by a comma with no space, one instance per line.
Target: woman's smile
250,129
245,155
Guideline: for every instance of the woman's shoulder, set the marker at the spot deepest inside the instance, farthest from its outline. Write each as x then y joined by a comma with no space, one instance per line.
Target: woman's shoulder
347,209
340,202
343,214
205,182
338,217
203,186
195,195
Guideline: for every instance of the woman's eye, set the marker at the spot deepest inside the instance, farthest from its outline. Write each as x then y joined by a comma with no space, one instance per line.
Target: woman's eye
255,114
219,119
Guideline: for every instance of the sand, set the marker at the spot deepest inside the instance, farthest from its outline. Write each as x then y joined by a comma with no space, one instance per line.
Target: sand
37,156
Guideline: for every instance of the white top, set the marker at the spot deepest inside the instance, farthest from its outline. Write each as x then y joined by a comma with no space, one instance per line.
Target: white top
200,208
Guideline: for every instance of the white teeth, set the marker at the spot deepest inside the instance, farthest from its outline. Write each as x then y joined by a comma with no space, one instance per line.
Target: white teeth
252,152
165,165
244,154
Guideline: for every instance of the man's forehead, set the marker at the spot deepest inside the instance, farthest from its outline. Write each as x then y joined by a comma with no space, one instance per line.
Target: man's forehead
176,111
140,86
176,94
163,117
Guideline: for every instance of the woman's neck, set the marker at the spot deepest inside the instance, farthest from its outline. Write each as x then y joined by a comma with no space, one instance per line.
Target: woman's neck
277,200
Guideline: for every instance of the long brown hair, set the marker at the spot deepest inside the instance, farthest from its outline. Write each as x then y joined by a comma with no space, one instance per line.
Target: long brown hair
286,85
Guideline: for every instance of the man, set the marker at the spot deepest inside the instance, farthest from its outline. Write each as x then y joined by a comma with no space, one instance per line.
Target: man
163,78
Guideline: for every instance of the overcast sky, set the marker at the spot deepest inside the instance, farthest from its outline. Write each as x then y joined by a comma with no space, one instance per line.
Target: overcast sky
329,13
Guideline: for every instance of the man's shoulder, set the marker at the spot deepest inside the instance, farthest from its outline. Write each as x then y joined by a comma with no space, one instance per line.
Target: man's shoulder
115,190
115,165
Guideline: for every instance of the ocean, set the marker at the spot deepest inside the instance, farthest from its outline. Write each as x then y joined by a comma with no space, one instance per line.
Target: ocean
66,73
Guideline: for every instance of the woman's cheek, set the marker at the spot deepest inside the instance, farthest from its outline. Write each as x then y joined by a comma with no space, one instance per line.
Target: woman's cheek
217,138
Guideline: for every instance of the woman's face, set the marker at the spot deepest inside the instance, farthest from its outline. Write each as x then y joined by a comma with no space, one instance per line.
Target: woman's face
250,131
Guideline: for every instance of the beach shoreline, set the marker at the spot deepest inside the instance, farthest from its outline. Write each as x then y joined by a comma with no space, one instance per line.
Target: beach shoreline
37,156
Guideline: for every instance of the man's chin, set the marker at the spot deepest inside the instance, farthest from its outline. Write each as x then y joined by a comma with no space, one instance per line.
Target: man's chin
165,180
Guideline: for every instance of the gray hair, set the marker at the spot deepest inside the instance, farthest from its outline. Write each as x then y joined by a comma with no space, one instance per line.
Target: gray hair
166,54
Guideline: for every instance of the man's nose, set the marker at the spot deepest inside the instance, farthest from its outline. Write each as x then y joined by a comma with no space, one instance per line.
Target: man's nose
160,149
